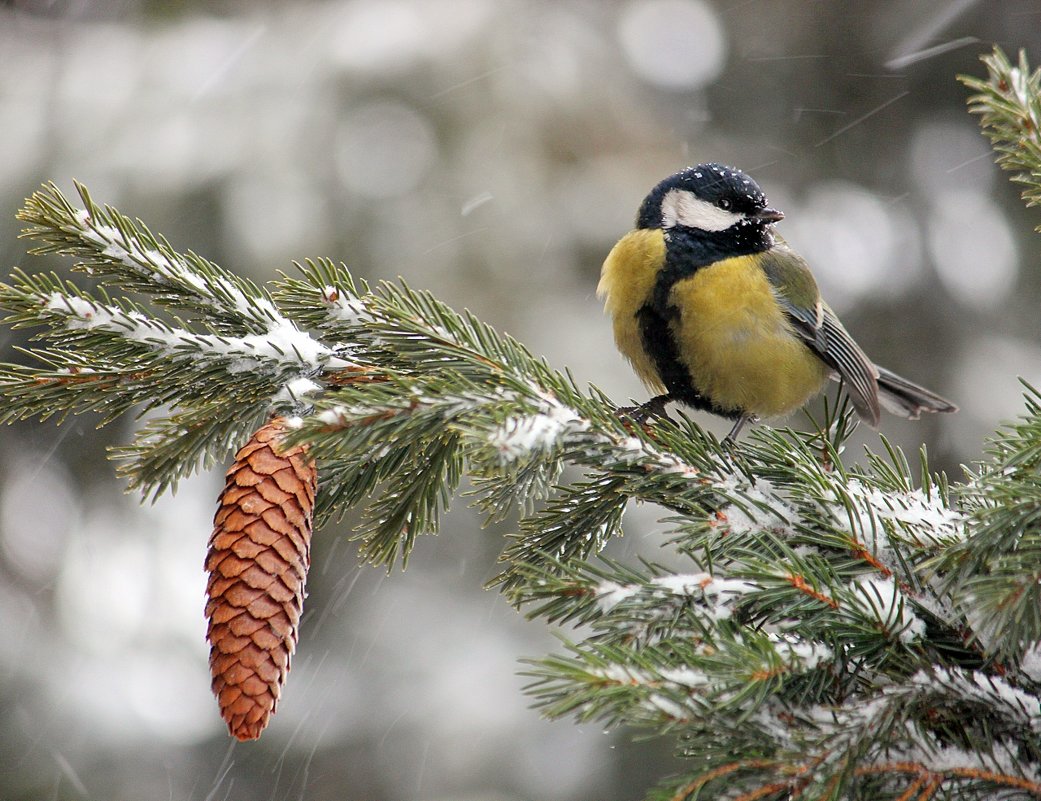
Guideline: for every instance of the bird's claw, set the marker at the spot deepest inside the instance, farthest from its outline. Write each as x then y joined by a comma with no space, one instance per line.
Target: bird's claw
640,415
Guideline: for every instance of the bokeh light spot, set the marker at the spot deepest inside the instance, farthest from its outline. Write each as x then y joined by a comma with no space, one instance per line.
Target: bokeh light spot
676,44
948,155
384,149
972,248
378,36
856,244
33,534
262,227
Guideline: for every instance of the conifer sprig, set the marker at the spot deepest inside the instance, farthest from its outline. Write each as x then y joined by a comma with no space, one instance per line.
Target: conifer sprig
995,577
1008,103
804,583
122,252
812,628
209,348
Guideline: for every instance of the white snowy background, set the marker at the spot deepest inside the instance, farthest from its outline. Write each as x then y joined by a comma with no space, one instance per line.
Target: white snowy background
491,151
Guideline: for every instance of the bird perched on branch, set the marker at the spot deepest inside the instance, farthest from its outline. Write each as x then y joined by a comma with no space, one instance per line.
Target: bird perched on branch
715,313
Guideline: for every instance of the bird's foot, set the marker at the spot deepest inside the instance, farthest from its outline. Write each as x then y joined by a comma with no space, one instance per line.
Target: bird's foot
730,440
655,407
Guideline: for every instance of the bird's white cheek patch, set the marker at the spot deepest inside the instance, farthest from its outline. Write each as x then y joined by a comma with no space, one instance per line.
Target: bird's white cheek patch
679,207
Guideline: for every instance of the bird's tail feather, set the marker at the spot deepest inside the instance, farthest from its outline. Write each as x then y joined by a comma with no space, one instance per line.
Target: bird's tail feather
907,399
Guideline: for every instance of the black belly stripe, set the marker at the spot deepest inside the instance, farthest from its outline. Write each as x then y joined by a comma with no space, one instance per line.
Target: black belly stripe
685,254
658,340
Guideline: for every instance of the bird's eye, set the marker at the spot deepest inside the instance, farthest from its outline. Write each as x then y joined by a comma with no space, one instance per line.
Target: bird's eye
724,204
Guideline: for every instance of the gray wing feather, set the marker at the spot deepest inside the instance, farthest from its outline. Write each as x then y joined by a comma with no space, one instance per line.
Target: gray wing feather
854,367
807,322
822,332
907,398
818,327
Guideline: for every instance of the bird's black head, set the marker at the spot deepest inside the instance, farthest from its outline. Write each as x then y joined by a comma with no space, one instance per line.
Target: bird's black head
709,199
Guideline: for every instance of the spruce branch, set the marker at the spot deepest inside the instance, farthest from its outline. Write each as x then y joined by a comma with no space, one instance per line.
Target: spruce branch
995,577
161,332
814,628
1008,103
123,252
808,585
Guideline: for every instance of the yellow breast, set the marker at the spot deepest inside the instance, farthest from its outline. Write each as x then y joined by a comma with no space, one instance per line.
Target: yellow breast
737,344
627,282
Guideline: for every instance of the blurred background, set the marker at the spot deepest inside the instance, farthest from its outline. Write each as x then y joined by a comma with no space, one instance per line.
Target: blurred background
491,151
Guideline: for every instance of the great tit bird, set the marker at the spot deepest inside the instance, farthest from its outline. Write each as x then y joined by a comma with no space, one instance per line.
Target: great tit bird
715,313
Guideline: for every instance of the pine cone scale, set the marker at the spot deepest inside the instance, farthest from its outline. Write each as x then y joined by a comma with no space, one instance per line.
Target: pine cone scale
257,577
294,515
243,547
272,562
289,481
265,462
237,596
236,673
258,559
264,607
277,521
233,519
256,504
266,638
227,564
244,626
289,550
226,540
280,592
260,533
283,626
246,478
222,613
230,644
270,492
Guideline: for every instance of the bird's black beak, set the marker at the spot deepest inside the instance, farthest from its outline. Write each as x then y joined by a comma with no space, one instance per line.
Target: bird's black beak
768,216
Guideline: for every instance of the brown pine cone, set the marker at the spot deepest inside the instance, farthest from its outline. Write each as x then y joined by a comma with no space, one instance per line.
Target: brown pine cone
257,563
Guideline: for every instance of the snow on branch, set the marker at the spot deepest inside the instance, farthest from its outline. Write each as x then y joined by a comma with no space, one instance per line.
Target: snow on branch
812,629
